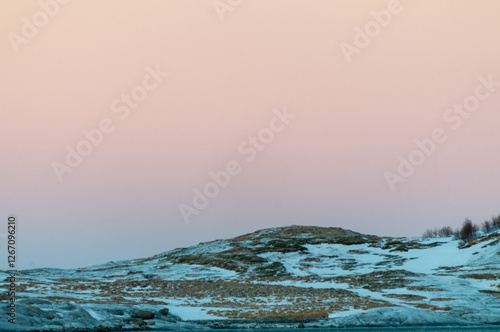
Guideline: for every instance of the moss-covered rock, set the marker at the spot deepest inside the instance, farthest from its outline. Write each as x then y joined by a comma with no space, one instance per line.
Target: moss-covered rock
143,314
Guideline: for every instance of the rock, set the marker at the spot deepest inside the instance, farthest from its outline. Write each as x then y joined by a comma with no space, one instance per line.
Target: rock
164,312
144,314
119,326
166,315
301,326
134,321
33,311
136,327
118,312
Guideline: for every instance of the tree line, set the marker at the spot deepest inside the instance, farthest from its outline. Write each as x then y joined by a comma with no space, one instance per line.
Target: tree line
468,232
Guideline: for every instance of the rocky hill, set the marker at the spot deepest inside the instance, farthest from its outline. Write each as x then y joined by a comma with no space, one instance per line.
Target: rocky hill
279,277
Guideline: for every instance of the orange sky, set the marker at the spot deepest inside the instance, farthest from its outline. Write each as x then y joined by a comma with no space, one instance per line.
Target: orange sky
353,120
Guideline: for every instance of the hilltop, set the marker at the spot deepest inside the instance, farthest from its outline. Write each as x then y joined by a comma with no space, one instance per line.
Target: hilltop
277,277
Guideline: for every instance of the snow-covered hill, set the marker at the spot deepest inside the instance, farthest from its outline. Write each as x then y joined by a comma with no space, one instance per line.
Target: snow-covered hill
273,277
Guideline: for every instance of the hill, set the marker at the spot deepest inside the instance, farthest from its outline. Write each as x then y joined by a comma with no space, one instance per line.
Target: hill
277,277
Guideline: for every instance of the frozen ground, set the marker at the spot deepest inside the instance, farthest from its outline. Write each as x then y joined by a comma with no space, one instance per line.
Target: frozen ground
330,276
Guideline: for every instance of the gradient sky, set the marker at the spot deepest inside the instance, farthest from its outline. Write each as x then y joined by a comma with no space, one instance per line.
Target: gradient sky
353,121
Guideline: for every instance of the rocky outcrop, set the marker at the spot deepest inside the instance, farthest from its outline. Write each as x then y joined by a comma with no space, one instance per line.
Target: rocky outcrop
46,315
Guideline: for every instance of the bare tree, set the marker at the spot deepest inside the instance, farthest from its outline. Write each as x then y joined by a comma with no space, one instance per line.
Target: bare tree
429,233
442,232
486,227
468,231
495,223
445,231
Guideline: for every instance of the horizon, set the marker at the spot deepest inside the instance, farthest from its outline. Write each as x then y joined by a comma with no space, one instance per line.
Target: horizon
130,129
259,230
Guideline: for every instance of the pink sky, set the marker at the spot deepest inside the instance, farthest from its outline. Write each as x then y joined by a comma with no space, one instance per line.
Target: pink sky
352,121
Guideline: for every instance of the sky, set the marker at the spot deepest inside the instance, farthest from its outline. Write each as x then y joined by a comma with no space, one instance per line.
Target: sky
129,128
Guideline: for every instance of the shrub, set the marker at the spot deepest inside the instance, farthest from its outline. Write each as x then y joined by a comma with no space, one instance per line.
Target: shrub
429,233
445,231
495,223
491,225
486,226
468,231
442,232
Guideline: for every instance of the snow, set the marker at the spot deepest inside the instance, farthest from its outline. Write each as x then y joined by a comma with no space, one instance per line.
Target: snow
194,313
430,259
93,313
346,313
210,247
317,285
192,272
441,267
335,259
